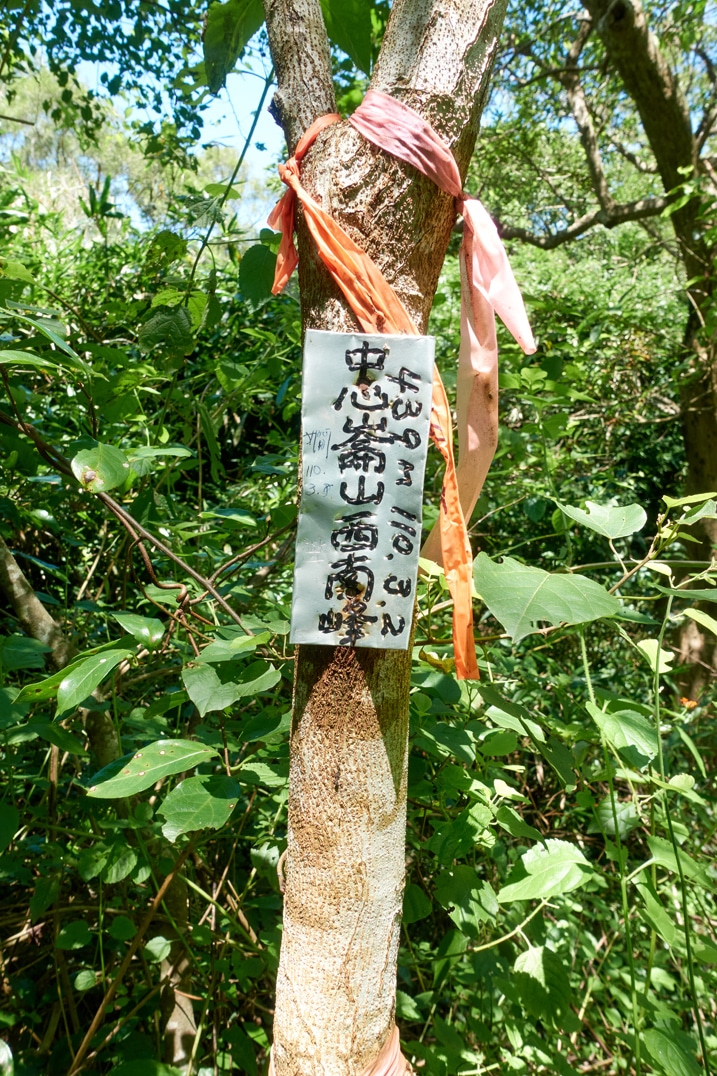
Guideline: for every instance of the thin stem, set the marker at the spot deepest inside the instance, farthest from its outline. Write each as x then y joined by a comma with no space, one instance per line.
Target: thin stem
268,81
620,860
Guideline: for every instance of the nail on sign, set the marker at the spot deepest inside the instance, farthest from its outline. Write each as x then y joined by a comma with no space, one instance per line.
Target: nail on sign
365,428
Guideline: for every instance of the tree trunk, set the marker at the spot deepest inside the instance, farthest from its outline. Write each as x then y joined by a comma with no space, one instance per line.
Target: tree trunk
349,742
655,90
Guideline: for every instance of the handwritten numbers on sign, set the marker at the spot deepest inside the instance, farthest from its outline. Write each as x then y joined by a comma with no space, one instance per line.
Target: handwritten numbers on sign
365,430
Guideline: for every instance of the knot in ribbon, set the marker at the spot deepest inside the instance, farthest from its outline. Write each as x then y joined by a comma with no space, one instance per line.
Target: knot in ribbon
488,285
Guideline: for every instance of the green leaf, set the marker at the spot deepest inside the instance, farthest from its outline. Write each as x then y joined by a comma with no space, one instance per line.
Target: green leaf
259,773
695,498
256,273
228,30
522,598
100,468
120,863
230,649
547,870
91,861
47,688
85,980
23,358
670,1053
348,24
84,677
9,824
46,892
664,854
627,815
157,949
703,619
133,773
456,837
628,732
406,1008
510,715
658,659
231,515
509,819
543,983
217,687
611,522
468,899
142,460
15,271
43,327
122,928
416,904
170,330
204,802
57,736
19,652
655,914
145,629
74,935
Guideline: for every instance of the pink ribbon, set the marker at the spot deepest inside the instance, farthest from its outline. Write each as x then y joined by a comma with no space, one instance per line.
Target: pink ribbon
488,288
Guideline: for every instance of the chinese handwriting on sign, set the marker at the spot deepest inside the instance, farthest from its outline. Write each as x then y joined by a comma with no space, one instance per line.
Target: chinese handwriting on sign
365,427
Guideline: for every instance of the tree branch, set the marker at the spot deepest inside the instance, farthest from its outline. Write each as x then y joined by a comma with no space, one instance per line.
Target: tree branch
570,80
608,218
302,61
30,611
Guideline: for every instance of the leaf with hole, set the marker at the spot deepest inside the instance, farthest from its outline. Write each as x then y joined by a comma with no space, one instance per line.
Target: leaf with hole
101,468
138,771
523,598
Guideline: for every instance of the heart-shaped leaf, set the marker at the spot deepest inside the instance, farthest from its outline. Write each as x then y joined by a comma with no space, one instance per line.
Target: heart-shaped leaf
612,521
523,598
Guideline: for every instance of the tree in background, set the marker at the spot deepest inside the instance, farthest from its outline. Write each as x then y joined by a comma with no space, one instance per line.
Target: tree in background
638,81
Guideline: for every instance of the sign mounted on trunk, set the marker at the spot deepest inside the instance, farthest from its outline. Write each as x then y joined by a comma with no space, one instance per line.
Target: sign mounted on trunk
365,428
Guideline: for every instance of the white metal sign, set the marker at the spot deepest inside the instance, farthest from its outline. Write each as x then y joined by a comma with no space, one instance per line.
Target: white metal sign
365,427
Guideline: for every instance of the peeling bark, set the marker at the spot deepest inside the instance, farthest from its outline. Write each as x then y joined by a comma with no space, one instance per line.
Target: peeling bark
349,748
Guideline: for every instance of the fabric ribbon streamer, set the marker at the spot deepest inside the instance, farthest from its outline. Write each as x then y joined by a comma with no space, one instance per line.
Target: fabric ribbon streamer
488,285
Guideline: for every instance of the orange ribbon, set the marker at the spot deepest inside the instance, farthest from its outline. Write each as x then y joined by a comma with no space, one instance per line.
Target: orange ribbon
379,310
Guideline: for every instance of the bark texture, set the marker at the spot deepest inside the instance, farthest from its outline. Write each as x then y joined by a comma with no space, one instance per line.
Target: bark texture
345,863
